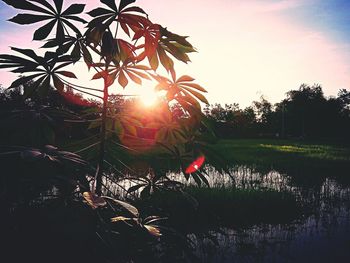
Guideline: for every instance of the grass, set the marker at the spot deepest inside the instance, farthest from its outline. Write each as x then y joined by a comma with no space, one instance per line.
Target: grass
273,152
262,151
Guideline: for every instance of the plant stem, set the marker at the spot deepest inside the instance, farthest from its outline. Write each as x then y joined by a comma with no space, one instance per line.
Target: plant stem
102,139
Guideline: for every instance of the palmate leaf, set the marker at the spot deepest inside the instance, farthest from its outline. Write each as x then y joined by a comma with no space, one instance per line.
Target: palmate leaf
103,17
151,34
183,91
123,73
167,44
74,43
52,15
26,5
48,153
41,70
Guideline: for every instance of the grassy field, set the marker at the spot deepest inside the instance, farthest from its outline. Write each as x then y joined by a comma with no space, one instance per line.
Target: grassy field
281,152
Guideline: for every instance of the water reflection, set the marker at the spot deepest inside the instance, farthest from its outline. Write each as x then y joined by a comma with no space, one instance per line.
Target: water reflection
321,235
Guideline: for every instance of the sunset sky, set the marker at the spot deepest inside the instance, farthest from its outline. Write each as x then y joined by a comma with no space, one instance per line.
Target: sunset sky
246,48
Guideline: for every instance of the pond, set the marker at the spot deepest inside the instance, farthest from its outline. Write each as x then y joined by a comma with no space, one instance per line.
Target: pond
321,233
321,236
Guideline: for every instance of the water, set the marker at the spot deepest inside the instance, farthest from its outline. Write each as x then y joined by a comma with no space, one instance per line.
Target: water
320,235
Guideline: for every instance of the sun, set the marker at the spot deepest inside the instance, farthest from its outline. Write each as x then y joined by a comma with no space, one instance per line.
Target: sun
148,96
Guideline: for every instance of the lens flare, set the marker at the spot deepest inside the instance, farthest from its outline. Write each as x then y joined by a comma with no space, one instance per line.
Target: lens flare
193,167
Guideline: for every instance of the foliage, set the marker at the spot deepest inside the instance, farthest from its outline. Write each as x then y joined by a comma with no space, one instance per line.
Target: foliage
112,36
121,46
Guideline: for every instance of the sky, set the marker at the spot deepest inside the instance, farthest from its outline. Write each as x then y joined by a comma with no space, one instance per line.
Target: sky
246,48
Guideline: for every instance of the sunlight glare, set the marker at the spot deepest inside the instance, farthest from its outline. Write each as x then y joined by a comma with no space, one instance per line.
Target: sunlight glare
149,97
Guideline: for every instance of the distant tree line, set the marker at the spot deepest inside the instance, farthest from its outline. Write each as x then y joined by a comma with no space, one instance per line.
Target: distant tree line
304,113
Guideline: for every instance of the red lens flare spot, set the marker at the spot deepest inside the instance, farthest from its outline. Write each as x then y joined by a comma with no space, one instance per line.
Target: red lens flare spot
193,167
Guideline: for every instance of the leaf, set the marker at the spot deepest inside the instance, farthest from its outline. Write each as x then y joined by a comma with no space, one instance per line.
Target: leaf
184,78
93,200
99,12
59,85
125,28
140,67
44,31
124,3
110,4
62,65
193,85
51,43
31,154
46,4
134,78
123,81
25,5
196,179
185,49
87,56
29,53
99,75
153,61
25,19
58,4
121,218
76,55
152,219
75,18
197,95
67,74
23,80
131,209
60,32
135,188
142,75
135,9
203,178
74,9
177,52
166,61
154,231
188,98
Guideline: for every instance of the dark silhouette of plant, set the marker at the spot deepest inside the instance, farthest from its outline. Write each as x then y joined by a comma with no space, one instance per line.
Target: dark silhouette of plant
117,44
